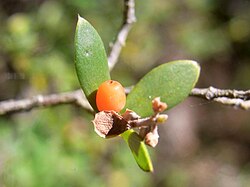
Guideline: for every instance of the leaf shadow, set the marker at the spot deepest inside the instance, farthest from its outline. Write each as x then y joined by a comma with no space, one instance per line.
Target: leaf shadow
134,141
92,100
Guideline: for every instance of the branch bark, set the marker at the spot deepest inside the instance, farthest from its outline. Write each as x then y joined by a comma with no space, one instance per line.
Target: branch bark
74,97
235,98
128,20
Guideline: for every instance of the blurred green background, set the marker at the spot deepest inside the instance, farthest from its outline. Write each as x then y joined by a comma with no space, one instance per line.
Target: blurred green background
203,144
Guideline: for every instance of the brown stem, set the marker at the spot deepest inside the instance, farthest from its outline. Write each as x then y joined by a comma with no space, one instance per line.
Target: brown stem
74,97
128,20
211,93
141,122
236,98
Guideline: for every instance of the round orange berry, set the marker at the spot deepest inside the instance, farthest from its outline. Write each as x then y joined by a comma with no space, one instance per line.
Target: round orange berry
110,96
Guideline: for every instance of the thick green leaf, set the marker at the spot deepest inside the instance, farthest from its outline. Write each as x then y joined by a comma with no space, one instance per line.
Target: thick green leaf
171,81
139,150
90,59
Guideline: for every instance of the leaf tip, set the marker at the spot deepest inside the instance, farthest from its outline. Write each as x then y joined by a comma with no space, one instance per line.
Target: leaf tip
196,67
150,168
194,63
81,19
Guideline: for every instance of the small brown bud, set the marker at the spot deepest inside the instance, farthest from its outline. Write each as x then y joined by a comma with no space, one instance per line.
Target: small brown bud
152,137
158,106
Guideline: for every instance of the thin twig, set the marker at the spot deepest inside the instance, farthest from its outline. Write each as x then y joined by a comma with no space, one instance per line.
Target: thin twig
211,93
74,97
128,20
236,98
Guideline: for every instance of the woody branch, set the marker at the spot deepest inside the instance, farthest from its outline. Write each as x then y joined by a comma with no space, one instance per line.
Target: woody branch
236,98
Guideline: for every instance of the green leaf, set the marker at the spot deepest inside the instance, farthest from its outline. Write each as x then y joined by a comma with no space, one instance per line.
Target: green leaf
90,59
139,150
171,81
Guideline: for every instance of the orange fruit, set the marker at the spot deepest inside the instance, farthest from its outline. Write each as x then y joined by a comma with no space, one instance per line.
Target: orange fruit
110,96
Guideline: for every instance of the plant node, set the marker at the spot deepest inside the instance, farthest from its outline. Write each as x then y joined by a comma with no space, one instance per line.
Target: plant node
110,124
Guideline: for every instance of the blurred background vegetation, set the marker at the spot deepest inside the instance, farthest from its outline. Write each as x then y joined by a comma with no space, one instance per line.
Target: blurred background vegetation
203,144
